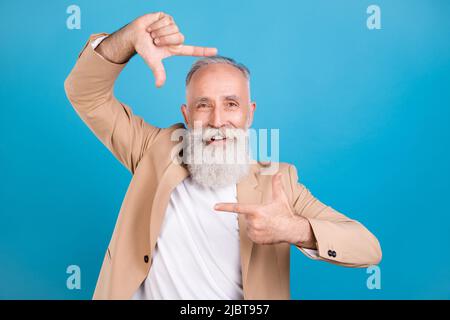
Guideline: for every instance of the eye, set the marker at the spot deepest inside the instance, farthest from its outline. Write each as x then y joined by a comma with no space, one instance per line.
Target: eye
202,105
232,104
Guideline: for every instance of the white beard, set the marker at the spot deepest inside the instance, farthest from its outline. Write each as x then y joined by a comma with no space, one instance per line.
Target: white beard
216,166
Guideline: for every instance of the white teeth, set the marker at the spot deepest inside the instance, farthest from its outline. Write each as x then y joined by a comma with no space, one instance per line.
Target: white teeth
214,138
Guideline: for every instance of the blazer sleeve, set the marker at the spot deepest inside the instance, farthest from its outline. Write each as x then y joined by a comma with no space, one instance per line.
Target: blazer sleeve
340,240
89,88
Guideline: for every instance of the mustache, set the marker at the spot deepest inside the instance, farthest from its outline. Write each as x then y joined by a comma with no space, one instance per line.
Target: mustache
210,133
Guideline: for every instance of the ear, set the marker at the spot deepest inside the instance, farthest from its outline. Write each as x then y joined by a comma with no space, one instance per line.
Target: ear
184,111
251,112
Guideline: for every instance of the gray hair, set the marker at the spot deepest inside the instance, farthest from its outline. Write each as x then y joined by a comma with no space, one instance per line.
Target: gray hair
215,60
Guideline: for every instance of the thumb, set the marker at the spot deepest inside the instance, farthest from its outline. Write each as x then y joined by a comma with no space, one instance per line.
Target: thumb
277,187
158,70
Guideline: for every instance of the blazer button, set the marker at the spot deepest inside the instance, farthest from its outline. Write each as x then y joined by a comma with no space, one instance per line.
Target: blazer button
330,253
146,259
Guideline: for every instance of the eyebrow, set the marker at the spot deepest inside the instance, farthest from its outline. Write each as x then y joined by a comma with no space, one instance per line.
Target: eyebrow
228,97
231,97
201,99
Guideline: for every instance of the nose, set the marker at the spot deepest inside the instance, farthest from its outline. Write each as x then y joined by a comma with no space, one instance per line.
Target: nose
216,118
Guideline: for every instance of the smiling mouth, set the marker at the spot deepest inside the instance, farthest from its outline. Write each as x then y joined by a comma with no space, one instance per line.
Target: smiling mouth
216,140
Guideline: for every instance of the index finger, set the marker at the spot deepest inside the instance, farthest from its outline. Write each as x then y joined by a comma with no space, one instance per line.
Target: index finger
236,207
195,51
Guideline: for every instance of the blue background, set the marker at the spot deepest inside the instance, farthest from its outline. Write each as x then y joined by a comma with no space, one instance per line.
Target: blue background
363,114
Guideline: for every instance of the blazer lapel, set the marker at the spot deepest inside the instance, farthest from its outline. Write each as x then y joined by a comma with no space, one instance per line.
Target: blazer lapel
248,193
174,174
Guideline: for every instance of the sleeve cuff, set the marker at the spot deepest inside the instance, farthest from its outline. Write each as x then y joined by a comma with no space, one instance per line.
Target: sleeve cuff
325,248
95,63
312,253
96,42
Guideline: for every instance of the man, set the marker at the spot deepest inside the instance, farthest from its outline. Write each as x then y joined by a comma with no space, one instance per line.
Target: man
208,229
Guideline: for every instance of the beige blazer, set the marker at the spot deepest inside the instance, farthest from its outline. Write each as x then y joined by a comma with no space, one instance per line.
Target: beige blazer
146,151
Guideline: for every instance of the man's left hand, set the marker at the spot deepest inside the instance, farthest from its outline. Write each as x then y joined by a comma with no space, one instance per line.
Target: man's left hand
274,222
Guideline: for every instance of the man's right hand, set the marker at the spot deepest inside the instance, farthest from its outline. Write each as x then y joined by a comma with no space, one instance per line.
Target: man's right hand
154,36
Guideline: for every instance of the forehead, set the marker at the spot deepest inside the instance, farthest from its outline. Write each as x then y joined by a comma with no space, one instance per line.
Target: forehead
217,79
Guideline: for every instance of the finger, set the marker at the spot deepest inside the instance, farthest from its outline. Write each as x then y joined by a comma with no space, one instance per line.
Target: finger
158,71
164,21
165,31
236,207
173,39
150,18
195,51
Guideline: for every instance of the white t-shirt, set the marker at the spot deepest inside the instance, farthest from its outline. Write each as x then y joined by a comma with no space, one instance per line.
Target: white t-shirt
197,253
